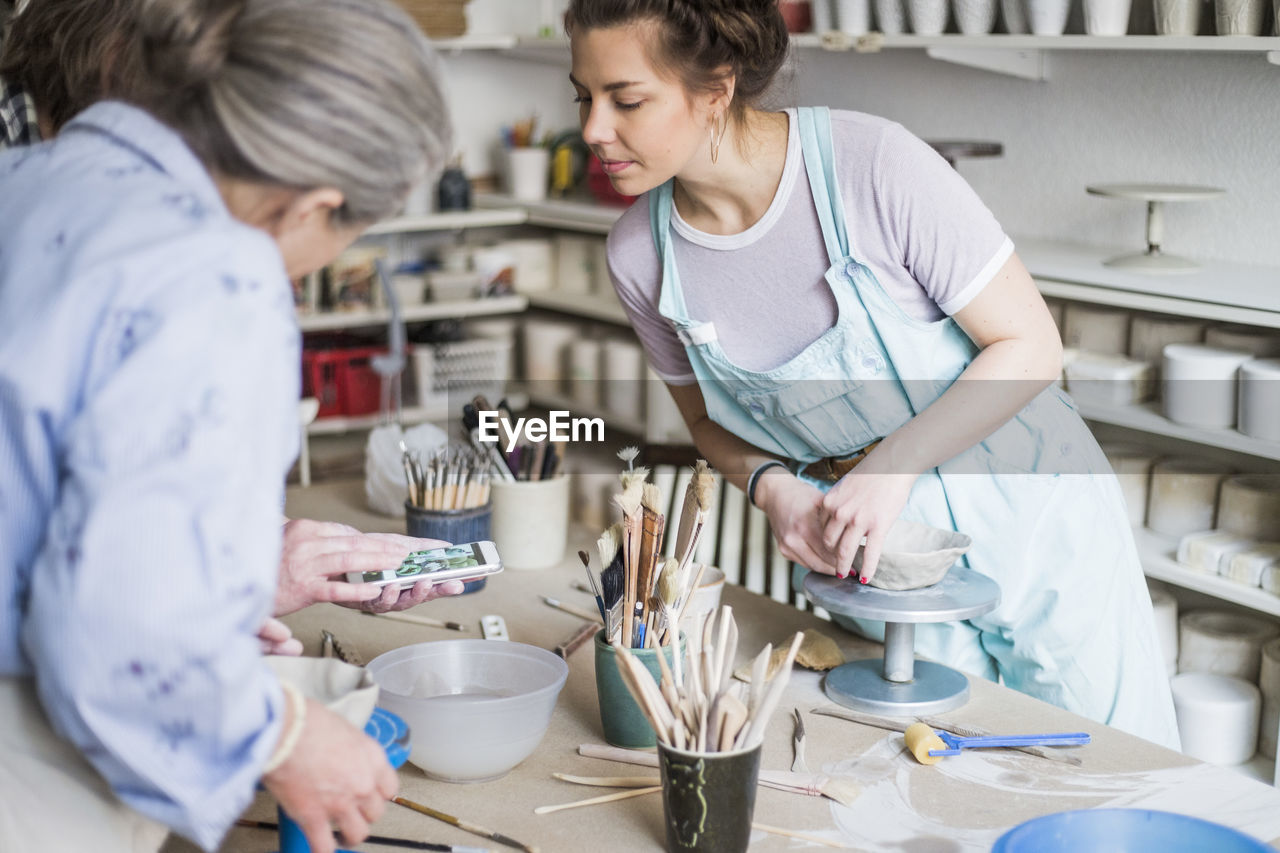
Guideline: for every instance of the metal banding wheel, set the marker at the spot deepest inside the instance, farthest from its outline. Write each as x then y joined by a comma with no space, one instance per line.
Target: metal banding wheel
899,685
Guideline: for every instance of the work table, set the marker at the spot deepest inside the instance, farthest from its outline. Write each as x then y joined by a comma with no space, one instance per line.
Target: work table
963,803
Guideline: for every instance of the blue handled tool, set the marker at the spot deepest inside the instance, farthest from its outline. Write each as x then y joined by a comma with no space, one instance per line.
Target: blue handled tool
955,743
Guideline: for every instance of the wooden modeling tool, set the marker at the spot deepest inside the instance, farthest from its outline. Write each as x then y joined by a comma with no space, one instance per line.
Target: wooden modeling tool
593,801
415,619
464,826
570,609
652,524
575,640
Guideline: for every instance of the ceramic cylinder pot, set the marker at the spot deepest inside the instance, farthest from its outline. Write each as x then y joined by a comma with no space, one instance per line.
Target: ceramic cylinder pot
928,17
1015,21
975,17
853,16
891,16
1106,17
1177,17
1047,17
1239,17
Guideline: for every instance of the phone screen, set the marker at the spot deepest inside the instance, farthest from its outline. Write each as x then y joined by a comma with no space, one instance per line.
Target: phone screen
423,564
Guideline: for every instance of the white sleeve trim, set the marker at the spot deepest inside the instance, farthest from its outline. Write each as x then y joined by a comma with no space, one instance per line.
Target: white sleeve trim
979,281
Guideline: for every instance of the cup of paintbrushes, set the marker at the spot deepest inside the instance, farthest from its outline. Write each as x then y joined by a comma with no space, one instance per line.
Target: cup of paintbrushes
624,723
454,526
708,797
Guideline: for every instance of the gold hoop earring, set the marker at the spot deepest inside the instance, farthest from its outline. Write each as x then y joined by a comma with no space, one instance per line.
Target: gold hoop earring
717,138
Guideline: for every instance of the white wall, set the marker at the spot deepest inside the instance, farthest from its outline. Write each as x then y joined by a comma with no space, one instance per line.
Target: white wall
1100,117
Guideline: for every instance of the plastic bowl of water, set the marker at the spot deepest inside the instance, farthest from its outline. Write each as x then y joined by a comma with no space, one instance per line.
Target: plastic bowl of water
475,708
1124,831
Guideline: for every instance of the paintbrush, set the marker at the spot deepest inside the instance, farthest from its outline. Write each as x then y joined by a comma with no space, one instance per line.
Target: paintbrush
668,589
575,640
632,515
652,524
611,579
463,825
570,609
698,496
380,839
595,590
419,620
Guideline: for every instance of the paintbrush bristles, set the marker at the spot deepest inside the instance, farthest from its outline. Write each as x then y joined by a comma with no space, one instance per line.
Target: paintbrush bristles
651,497
704,486
608,543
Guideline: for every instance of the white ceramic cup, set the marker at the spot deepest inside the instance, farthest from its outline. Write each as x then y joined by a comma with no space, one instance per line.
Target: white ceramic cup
530,521
853,16
1260,398
891,16
544,346
1239,17
527,172
975,17
928,17
1177,17
1015,22
705,599
1047,17
1106,17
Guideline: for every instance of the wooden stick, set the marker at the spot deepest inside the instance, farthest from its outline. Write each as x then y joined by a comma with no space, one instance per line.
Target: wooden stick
607,798
760,720
617,753
463,825
419,620
803,836
609,781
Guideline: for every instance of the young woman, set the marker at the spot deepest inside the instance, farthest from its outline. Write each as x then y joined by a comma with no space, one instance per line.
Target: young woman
820,291
148,416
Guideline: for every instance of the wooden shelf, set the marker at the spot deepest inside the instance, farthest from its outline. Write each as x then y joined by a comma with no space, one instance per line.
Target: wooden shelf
449,221
586,305
331,320
1156,553
1147,418
554,213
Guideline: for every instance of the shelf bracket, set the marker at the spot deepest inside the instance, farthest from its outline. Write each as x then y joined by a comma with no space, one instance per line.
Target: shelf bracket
1027,64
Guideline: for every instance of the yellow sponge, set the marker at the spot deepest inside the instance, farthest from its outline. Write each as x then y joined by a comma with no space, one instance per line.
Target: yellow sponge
920,739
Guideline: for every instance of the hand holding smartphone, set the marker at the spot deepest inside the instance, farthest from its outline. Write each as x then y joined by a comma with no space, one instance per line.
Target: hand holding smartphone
462,562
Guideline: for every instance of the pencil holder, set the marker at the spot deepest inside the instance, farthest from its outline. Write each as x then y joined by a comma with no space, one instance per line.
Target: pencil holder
453,526
708,798
623,722
530,521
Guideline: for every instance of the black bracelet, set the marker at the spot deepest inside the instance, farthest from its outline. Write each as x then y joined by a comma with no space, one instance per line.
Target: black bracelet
754,479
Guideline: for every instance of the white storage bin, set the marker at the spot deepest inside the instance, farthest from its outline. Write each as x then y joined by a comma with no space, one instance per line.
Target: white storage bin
1260,398
1109,379
1199,384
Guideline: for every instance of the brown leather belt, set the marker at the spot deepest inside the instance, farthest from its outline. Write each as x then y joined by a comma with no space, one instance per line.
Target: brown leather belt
832,469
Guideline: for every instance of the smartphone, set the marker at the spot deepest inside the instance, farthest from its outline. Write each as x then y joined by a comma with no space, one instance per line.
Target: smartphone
462,562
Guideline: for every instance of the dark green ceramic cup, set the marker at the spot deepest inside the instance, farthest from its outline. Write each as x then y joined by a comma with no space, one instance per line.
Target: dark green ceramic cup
624,723
708,798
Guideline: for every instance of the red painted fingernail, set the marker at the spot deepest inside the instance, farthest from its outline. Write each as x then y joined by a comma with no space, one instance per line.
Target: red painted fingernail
861,579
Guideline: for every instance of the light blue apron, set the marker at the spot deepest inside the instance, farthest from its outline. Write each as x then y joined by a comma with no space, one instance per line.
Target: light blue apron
1075,625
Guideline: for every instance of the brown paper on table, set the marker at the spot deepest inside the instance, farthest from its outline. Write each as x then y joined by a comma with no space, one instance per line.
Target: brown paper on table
817,651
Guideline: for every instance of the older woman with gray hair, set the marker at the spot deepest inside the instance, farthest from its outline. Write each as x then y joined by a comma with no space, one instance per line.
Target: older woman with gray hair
148,379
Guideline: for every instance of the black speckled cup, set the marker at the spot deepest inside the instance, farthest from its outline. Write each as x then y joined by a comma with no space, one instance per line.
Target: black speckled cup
708,798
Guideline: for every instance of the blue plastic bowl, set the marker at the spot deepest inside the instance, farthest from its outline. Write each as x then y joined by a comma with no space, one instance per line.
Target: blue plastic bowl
1123,831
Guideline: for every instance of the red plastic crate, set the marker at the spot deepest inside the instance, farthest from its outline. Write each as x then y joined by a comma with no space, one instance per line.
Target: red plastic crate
342,380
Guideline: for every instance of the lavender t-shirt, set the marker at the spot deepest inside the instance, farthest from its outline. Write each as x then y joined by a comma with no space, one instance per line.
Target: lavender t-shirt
912,220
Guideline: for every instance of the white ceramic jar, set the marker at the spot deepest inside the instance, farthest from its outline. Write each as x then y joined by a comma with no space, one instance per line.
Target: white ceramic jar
1260,398
1199,384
